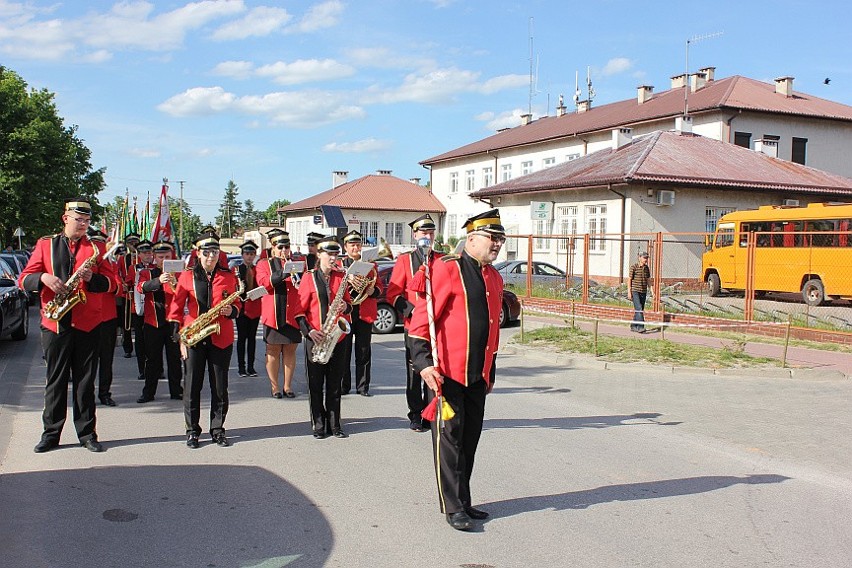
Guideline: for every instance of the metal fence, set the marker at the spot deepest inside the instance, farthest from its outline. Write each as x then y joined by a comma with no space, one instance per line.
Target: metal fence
593,269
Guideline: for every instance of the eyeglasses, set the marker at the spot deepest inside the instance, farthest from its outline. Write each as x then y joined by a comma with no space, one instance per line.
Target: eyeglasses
499,239
282,247
80,220
210,252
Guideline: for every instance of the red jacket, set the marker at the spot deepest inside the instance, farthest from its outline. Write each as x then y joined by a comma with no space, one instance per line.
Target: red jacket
191,284
105,301
315,309
404,270
281,305
52,255
453,320
251,308
158,296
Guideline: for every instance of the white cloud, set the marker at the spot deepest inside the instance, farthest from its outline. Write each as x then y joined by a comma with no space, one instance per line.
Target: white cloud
304,71
261,21
325,15
357,147
506,119
616,66
384,58
441,86
144,153
303,109
234,69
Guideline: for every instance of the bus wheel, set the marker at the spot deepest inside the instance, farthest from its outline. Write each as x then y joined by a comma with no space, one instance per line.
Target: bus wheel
813,292
714,285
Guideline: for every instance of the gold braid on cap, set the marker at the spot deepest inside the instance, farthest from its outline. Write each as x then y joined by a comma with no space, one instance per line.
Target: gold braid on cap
479,223
77,204
424,222
206,242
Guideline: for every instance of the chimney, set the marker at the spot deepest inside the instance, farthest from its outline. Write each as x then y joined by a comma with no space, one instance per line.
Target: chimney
696,81
339,178
415,181
621,137
683,124
526,118
560,110
644,93
768,147
678,81
709,73
583,106
384,172
784,86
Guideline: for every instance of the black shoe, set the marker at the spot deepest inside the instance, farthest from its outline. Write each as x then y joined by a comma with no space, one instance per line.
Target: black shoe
342,393
141,377
176,397
221,440
242,373
460,521
339,433
107,400
128,355
46,445
320,434
252,373
143,399
192,441
417,426
289,394
364,393
475,513
92,445
277,395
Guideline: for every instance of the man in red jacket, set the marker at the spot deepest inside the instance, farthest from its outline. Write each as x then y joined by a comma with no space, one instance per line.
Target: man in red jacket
69,343
106,304
403,299
363,316
250,315
466,303
199,290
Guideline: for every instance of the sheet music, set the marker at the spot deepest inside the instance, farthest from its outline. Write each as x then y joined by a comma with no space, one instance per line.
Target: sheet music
173,266
256,293
359,268
297,266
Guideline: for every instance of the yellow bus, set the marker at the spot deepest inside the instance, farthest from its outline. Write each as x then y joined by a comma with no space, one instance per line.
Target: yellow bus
796,249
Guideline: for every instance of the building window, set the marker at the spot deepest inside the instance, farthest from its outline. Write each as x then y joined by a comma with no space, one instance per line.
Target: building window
526,168
571,157
742,139
567,218
452,226
393,233
370,232
469,180
596,226
454,182
800,146
506,172
487,177
711,217
547,162
542,227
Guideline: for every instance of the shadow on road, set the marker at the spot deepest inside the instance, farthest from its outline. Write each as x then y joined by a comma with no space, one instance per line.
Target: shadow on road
578,422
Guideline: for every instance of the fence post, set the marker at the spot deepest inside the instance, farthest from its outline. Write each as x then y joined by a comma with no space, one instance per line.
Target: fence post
786,341
663,325
573,314
596,337
522,321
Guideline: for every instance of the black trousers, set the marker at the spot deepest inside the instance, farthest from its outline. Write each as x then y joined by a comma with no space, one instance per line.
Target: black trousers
203,356
454,445
106,354
121,306
138,325
157,340
246,341
71,357
361,335
325,410
416,391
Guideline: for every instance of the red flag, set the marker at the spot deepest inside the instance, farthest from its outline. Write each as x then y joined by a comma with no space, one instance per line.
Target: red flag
163,225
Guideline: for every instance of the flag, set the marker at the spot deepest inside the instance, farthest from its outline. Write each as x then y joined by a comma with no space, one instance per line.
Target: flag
163,228
146,219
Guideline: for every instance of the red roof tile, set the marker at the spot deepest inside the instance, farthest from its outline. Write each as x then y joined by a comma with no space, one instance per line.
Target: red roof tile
730,93
672,158
383,192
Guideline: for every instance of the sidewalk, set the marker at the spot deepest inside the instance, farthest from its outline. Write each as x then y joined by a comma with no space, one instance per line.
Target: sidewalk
801,361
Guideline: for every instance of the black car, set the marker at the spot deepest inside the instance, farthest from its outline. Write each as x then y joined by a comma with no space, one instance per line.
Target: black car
14,306
17,262
388,318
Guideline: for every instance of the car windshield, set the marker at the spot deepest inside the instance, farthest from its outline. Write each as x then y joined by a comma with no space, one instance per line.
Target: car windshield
548,270
501,265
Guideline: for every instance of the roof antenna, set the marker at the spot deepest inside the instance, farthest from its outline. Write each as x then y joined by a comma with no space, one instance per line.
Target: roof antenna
693,39
533,72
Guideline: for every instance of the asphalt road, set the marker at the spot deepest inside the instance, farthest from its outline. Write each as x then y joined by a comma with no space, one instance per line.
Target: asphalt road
578,467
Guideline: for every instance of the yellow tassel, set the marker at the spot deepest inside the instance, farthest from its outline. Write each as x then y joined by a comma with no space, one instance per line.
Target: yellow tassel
447,411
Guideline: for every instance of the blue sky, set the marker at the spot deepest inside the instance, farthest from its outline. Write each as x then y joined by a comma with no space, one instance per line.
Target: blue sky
277,95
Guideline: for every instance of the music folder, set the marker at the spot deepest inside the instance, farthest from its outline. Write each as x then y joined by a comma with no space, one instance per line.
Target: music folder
173,266
297,266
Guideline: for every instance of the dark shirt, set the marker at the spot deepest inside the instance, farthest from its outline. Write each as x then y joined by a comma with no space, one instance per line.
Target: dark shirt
639,277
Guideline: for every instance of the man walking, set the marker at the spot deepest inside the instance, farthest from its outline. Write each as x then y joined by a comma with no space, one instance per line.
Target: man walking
637,286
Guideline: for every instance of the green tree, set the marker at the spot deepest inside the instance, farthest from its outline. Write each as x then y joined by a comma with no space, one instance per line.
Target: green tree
229,212
42,161
271,214
250,217
192,224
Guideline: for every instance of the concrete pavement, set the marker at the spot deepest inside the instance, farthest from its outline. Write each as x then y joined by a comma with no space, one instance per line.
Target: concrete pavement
578,465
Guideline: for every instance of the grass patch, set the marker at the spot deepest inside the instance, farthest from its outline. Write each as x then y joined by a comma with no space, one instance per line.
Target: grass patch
657,351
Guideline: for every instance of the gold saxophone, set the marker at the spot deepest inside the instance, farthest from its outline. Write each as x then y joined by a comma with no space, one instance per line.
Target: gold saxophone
333,327
62,303
206,325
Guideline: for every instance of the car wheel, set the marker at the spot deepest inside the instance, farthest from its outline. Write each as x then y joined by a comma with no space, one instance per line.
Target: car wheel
24,328
504,315
385,319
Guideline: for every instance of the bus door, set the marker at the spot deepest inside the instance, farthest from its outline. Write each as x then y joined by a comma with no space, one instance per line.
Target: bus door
726,254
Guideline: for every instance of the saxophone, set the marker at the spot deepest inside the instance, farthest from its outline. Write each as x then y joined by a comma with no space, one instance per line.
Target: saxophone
205,324
61,304
333,327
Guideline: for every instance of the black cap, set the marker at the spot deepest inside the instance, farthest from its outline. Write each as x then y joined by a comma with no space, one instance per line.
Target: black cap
96,234
79,205
314,238
328,244
423,223
163,246
488,222
281,238
271,233
643,254
144,245
352,236
248,246
132,236
208,239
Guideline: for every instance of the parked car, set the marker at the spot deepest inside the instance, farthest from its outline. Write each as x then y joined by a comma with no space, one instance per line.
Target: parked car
17,262
514,273
388,318
14,306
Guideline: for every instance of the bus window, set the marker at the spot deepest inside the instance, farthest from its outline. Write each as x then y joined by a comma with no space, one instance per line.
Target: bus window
819,226
744,231
791,239
844,225
724,237
762,230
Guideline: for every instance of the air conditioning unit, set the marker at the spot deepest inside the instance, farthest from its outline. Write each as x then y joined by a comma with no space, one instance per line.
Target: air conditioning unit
665,197
791,202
